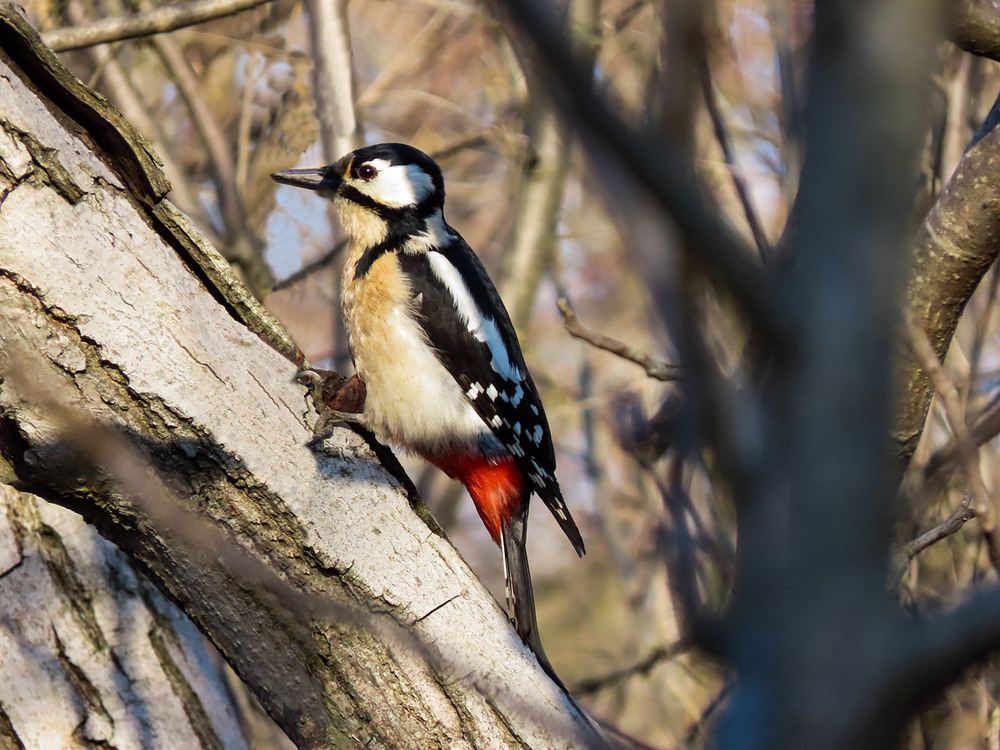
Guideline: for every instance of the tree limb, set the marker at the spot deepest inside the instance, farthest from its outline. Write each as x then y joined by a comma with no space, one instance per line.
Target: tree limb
953,249
654,368
975,27
157,21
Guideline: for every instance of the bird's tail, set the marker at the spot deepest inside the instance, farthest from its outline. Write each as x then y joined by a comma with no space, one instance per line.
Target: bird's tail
521,604
517,577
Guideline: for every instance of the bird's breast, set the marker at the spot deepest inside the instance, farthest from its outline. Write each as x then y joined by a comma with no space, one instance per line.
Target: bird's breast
413,401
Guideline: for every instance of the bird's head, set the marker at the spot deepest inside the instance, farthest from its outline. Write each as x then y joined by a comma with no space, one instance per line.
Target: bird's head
380,191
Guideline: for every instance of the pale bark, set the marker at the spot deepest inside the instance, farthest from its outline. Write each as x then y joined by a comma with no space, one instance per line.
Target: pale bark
134,392
91,653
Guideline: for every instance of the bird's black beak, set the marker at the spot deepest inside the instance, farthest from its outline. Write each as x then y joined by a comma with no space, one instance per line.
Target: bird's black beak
325,180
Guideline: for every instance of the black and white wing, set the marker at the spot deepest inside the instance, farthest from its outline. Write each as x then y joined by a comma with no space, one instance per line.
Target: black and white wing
468,326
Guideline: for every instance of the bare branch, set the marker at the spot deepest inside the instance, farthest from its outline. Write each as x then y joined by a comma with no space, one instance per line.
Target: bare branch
242,247
333,78
534,242
722,136
946,528
659,168
324,261
983,429
968,451
158,21
654,368
642,667
954,248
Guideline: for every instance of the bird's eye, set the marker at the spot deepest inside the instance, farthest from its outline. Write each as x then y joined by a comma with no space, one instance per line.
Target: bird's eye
366,171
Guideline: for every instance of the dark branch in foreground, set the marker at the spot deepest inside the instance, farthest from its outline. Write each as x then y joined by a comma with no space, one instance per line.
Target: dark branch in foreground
661,169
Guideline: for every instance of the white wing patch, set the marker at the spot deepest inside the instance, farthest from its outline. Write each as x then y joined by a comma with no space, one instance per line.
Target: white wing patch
396,185
484,329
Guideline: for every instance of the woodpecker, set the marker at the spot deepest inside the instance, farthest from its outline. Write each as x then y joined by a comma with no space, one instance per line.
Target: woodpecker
442,371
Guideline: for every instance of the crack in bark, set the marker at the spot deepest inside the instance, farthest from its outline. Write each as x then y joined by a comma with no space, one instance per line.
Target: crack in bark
46,158
62,569
193,707
88,693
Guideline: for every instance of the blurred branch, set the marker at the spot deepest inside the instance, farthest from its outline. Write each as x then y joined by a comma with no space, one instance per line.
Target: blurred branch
333,78
659,168
157,21
539,208
241,247
937,649
536,221
121,91
698,625
254,67
985,427
722,136
643,667
790,108
654,368
325,261
418,51
968,451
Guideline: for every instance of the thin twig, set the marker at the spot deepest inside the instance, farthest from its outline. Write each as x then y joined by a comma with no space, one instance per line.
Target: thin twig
308,270
654,368
721,129
158,21
946,528
642,667
983,429
968,451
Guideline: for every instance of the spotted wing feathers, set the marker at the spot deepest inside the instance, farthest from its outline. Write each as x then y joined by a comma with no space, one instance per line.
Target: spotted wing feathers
451,294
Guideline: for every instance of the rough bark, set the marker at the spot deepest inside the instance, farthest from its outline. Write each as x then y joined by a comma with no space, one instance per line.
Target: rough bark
135,392
954,248
975,27
92,654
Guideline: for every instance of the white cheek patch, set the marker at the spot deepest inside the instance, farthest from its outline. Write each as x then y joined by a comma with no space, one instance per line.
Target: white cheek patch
397,185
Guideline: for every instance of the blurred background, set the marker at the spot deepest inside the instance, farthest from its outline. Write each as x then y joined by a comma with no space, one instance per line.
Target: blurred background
290,84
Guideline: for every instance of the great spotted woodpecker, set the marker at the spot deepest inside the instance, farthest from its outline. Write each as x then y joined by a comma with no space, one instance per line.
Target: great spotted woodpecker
435,349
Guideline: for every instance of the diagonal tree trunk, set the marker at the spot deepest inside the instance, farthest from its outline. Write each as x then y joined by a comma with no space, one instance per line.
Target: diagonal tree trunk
93,655
137,391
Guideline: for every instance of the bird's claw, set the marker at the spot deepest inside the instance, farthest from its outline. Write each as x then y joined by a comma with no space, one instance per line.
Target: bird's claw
328,420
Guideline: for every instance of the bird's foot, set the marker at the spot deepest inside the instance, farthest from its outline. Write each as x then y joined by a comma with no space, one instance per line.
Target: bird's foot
336,398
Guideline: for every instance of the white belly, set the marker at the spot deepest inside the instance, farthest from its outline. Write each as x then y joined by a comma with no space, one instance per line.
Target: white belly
412,400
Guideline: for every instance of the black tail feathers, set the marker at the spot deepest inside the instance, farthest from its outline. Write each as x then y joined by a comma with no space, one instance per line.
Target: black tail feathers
520,597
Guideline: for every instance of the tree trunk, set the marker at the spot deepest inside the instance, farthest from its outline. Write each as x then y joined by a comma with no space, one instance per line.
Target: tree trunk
92,654
135,392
